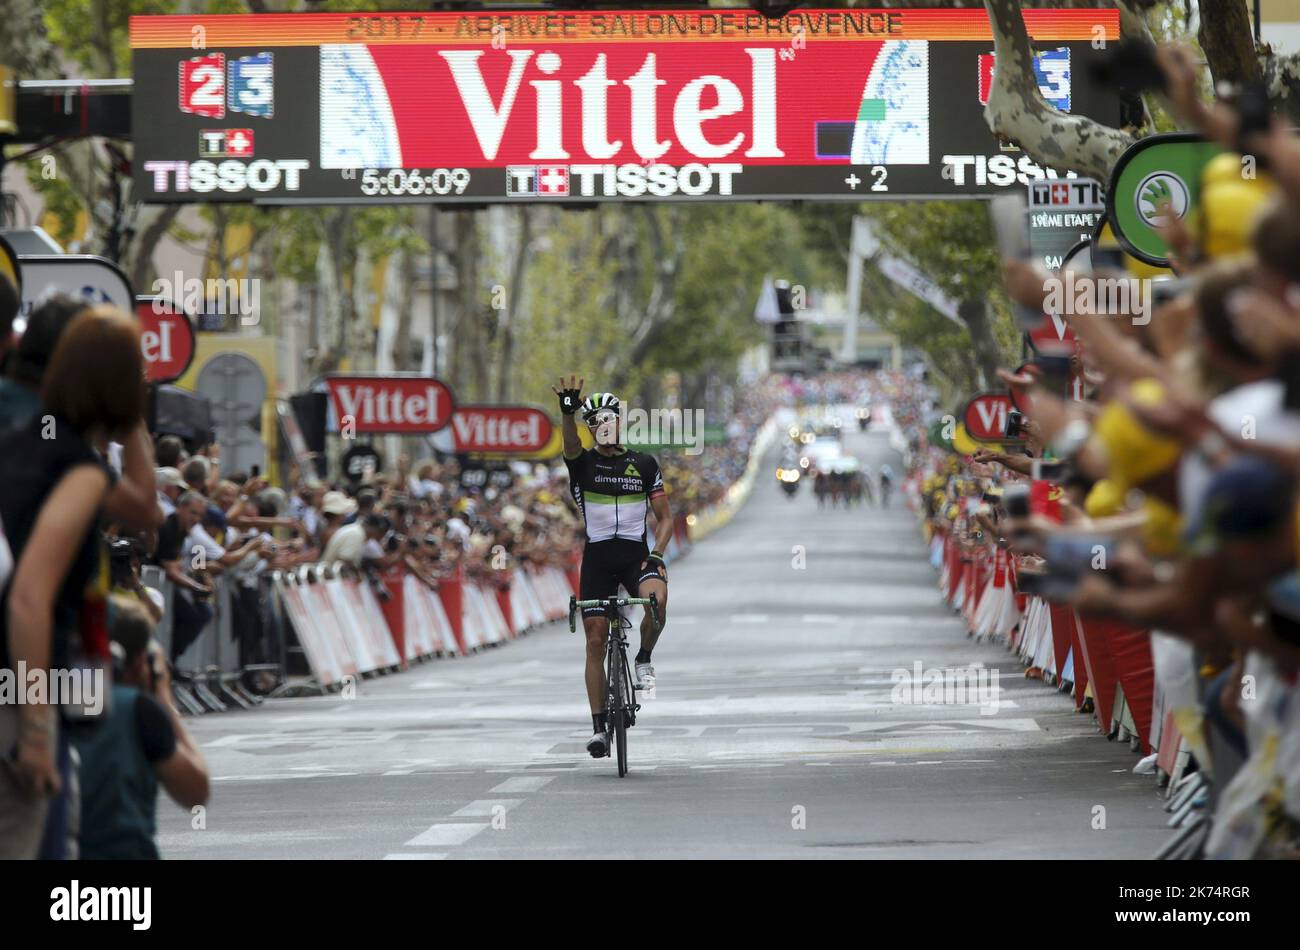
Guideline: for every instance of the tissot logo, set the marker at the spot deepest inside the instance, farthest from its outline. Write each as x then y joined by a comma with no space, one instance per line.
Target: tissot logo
229,176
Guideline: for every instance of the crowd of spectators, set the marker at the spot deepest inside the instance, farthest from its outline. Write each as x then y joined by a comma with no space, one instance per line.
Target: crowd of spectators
1165,498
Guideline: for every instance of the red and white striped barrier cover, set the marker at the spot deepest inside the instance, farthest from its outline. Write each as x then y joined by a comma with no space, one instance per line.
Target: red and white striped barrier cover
325,662
350,624
423,635
551,589
323,617
416,623
374,625
483,614
341,626
527,587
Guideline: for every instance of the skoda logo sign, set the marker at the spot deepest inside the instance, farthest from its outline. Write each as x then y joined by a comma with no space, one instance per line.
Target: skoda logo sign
1155,189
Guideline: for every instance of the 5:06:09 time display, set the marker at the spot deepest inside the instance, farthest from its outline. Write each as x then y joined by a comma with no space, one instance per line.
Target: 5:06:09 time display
414,181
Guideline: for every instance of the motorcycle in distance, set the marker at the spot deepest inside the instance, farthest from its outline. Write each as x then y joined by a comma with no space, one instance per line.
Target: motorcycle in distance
788,479
864,417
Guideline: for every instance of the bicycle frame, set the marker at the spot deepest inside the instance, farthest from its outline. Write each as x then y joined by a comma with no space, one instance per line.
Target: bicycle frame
620,703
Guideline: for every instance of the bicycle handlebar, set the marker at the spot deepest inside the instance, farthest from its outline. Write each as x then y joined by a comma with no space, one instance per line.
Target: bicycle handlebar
575,605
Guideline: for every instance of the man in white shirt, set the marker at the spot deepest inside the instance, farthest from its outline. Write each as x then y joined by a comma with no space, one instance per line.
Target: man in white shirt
357,542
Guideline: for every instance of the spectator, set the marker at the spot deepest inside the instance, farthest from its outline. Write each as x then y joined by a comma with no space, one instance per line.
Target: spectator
191,609
20,392
353,543
54,482
141,744
170,452
170,487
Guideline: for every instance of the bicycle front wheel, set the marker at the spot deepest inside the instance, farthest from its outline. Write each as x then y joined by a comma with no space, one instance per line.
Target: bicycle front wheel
619,703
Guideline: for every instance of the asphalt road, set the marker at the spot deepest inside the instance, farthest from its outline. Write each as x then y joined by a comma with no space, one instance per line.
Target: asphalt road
774,732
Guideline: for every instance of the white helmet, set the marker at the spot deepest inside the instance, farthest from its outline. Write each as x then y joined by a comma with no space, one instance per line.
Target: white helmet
597,402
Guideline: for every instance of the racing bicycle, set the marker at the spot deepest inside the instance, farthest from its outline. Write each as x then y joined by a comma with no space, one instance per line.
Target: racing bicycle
620,694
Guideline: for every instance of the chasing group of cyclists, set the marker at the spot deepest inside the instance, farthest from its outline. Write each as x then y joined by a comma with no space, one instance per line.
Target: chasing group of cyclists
852,487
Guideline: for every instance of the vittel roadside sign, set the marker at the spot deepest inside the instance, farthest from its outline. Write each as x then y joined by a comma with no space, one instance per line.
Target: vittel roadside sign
516,430
389,403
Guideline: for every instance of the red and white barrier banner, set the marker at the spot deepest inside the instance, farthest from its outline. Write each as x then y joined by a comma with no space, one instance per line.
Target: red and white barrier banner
426,618
344,631
317,646
374,625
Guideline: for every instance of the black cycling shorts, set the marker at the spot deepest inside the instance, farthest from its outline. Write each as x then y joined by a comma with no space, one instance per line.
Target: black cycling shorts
607,564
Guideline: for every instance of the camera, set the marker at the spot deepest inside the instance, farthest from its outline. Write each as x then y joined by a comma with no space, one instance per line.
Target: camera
1015,499
1130,67
1015,424
1052,470
121,562
1254,111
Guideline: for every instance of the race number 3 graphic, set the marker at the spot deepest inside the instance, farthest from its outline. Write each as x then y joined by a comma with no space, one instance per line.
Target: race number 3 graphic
203,85
252,85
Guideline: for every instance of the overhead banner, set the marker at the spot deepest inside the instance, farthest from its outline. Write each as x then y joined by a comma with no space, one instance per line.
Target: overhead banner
580,105
1154,169
911,279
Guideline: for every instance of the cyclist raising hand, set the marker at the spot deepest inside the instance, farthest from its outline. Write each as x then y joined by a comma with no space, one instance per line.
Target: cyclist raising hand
616,490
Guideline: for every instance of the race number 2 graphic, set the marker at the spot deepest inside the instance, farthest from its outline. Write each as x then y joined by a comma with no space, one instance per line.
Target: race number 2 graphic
203,86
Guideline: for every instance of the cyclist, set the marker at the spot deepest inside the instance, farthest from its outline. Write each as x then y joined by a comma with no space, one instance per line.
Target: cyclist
886,483
616,489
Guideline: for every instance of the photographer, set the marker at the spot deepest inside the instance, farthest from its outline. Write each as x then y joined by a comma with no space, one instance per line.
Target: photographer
141,744
124,559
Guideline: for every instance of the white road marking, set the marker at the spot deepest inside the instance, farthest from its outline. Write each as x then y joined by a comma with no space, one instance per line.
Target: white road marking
821,618
446,834
415,856
399,772
486,807
524,783
749,618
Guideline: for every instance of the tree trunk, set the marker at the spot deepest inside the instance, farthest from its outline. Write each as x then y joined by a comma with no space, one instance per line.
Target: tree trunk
1229,43
514,306
975,314
469,368
402,354
141,266
1017,111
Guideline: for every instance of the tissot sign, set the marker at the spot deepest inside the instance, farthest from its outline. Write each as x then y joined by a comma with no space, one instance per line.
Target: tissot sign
412,404
588,105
